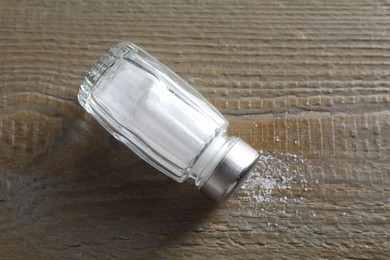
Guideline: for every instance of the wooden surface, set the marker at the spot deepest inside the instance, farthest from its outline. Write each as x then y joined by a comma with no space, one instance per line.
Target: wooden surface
305,82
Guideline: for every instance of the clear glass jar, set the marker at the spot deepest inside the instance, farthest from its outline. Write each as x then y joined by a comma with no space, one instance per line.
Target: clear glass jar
165,121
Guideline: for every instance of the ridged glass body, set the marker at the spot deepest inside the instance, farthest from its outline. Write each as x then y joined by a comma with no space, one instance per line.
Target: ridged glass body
155,113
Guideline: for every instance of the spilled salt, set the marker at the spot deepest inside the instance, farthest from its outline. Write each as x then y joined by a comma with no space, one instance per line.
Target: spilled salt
265,184
274,177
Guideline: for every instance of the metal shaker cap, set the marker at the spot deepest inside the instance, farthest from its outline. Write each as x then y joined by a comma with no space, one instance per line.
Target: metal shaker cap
231,171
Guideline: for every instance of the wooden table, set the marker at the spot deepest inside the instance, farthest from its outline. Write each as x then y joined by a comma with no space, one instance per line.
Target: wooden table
306,83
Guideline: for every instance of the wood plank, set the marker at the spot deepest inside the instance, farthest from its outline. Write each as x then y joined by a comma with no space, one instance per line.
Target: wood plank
306,83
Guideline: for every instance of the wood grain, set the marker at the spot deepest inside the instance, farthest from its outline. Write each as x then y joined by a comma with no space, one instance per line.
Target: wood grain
305,82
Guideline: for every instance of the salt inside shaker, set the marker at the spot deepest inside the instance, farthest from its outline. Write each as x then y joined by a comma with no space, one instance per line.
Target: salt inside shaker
165,121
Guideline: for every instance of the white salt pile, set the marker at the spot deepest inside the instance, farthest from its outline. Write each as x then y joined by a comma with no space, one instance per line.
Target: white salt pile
274,177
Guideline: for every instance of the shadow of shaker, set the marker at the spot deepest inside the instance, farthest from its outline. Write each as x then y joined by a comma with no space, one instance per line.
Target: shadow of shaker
124,198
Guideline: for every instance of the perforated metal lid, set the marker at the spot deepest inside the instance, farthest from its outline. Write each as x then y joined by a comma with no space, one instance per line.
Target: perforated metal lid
231,171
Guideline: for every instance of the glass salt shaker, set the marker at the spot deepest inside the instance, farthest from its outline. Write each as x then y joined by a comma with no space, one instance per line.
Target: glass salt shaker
161,118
